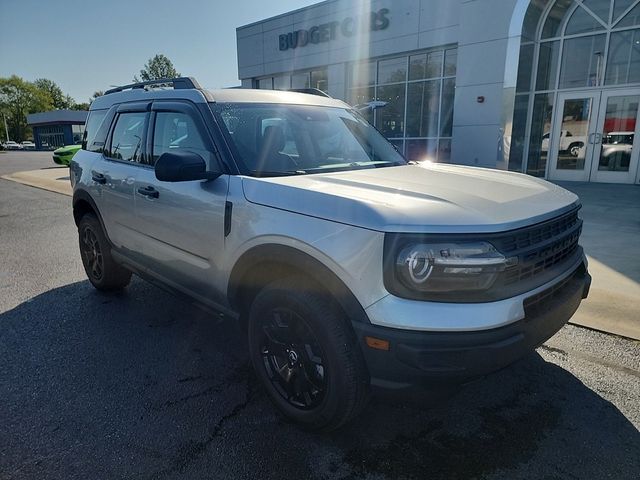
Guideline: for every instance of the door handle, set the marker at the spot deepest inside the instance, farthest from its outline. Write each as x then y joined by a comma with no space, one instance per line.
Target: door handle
149,191
98,178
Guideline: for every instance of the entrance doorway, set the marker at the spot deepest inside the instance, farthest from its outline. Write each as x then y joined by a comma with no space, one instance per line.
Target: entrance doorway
594,136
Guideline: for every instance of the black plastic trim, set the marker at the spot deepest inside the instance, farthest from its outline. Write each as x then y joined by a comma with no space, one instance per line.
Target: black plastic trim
418,358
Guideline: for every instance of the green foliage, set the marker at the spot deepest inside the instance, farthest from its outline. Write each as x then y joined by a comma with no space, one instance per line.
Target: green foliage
19,98
59,99
157,67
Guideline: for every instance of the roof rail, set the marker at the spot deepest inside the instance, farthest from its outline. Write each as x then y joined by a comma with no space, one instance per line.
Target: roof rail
311,91
179,83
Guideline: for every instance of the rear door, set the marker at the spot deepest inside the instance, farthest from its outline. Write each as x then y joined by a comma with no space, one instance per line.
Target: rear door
184,221
114,175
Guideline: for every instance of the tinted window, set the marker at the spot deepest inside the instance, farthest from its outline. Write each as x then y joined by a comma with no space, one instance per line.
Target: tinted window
94,120
176,131
126,142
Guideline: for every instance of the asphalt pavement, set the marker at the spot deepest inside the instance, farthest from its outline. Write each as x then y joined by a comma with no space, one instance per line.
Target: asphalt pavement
143,385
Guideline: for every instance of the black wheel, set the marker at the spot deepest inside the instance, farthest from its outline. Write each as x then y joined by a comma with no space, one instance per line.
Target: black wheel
103,272
306,356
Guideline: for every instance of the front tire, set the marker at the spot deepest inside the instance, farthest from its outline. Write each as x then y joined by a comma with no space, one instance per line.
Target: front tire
101,269
306,356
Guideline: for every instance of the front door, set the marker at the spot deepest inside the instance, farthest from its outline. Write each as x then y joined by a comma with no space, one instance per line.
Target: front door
594,137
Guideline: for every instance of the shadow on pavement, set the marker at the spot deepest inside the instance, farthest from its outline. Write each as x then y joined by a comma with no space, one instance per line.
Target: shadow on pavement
143,385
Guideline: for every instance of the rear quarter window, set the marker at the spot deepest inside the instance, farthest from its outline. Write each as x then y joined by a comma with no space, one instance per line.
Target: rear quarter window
94,121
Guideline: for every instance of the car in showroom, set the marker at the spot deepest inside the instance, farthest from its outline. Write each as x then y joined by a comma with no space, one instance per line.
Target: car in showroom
351,270
63,155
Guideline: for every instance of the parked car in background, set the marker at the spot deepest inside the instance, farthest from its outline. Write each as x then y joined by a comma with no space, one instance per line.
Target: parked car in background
568,142
11,145
616,151
28,145
63,155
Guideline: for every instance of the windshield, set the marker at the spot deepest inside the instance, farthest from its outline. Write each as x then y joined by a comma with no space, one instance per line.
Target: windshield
276,140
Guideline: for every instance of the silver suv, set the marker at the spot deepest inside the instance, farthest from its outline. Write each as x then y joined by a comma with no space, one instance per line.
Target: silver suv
351,268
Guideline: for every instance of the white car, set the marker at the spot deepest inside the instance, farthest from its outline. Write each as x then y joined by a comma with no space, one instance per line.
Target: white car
11,145
28,145
568,142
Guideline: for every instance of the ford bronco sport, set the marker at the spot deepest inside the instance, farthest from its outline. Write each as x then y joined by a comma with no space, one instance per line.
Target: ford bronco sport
351,268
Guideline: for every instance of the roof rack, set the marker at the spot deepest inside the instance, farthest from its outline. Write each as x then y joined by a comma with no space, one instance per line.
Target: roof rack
311,91
179,83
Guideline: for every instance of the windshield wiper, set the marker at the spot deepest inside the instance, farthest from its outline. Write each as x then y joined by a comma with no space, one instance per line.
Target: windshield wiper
283,173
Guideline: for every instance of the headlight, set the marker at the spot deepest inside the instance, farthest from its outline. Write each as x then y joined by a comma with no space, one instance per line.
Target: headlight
441,269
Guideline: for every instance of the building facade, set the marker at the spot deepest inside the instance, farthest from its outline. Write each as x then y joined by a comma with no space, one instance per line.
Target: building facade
57,128
546,87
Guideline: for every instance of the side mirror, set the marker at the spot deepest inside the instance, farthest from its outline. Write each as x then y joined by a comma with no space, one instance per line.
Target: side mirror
182,166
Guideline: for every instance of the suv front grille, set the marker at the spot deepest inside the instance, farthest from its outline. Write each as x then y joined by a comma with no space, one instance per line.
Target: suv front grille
540,247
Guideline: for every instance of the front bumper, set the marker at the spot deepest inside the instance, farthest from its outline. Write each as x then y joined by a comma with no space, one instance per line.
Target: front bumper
417,358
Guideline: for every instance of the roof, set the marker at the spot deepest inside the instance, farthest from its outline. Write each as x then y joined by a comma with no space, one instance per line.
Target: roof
229,95
53,117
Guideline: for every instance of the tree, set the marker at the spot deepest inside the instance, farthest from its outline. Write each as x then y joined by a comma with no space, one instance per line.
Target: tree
19,98
59,99
157,67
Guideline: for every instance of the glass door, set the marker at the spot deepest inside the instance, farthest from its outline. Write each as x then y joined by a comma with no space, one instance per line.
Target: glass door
616,149
571,147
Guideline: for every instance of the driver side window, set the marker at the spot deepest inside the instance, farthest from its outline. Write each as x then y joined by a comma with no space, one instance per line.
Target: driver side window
176,131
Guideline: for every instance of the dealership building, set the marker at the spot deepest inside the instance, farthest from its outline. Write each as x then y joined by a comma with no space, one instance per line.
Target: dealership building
546,87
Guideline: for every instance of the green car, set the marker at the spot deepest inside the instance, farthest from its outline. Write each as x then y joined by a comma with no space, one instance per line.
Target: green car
63,155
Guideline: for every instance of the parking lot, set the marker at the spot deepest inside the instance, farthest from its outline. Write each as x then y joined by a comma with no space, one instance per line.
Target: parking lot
144,385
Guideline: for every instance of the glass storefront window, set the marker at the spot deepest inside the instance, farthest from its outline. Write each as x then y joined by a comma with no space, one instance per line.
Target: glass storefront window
420,91
631,19
427,65
319,80
451,62
390,119
421,150
363,74
525,68
540,133
393,70
422,109
547,65
265,83
518,132
300,80
582,22
446,111
600,8
582,61
623,64
552,26
282,83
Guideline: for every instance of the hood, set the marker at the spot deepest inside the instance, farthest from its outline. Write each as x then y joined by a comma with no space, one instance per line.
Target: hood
68,149
433,198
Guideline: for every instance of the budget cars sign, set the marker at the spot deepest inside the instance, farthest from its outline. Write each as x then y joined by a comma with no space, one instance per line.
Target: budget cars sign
326,32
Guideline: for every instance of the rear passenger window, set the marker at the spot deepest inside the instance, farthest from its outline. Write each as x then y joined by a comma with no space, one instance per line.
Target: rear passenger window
126,142
176,131
93,124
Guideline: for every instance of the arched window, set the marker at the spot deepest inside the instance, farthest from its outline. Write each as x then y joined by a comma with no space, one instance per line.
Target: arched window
568,45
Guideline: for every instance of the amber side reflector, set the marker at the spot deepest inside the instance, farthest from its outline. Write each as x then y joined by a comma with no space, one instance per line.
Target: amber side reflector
377,343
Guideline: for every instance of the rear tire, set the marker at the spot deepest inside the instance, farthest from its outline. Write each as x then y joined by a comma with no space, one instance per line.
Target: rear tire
101,269
306,356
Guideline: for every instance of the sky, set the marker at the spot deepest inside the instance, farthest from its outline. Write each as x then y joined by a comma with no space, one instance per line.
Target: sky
89,45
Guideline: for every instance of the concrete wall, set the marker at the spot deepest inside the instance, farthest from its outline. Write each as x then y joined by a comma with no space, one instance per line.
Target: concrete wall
481,28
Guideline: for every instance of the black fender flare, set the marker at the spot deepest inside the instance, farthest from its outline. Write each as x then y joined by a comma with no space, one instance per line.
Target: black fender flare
296,260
